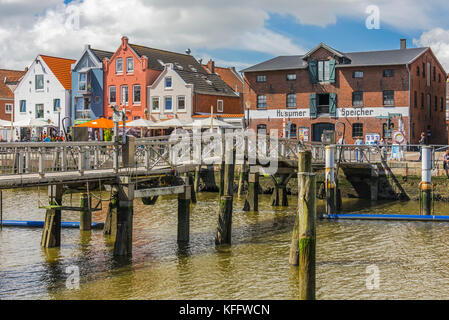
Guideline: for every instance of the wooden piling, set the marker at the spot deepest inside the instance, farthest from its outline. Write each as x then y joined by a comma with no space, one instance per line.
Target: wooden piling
307,235
196,180
252,197
123,239
51,234
192,189
304,165
1,209
110,225
184,213
85,214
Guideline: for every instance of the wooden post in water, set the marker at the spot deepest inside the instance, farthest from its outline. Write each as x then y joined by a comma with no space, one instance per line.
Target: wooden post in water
51,234
192,189
426,181
124,235
110,225
307,234
85,214
330,186
304,165
224,227
252,197
184,212
196,181
1,209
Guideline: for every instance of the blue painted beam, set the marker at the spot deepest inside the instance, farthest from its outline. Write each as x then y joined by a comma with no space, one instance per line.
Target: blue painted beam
398,217
40,224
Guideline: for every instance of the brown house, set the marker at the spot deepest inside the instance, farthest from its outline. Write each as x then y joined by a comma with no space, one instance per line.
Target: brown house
9,79
389,95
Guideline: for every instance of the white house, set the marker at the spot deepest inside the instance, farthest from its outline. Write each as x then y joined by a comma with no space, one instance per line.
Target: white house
170,96
44,91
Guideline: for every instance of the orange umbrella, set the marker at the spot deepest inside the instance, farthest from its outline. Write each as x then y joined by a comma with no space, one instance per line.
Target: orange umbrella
101,123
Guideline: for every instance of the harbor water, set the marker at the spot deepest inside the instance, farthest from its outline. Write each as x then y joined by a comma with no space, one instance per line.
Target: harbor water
411,257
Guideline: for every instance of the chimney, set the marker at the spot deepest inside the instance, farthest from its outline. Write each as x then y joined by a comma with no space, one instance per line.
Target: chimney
403,44
211,66
86,46
124,41
26,69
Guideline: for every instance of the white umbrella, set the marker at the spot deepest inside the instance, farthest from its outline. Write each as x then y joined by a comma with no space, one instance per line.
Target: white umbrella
139,123
215,123
33,123
172,123
4,123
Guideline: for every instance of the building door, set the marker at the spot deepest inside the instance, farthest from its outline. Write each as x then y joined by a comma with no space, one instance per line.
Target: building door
318,128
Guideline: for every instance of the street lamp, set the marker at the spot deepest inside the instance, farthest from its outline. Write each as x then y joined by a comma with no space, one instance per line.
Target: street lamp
58,109
248,106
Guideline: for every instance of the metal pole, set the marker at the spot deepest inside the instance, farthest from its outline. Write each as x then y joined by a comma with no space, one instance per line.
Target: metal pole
330,180
426,181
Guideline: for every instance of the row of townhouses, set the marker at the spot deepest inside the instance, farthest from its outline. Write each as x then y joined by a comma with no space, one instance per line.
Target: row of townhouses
392,94
148,83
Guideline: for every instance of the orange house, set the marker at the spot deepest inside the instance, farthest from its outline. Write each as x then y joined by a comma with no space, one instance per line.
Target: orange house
126,77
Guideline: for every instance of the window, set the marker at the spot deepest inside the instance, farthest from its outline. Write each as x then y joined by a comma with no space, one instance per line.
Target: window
439,77
415,100
291,100
357,98
388,73
23,106
436,103
112,94
388,96
417,70
39,111
168,83
357,74
168,104
292,133
261,129
56,105
136,94
119,65
291,77
261,78
181,103
441,104
423,70
39,81
323,71
323,103
82,83
219,105
261,101
155,104
8,108
357,130
129,65
124,95
434,73
136,118
422,100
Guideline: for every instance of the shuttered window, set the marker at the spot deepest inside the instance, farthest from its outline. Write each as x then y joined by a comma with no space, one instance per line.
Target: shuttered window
313,109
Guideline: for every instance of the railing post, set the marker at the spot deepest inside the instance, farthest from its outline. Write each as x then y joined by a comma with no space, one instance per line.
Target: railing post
27,160
63,159
116,157
20,163
147,159
41,164
81,160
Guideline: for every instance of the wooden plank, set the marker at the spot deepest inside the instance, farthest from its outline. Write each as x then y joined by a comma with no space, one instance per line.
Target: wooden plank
144,193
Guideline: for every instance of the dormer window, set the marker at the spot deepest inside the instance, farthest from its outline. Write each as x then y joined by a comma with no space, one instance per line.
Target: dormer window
168,83
39,81
82,83
323,71
119,65
129,65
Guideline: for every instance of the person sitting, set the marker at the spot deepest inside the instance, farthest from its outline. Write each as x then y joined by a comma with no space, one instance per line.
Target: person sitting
446,162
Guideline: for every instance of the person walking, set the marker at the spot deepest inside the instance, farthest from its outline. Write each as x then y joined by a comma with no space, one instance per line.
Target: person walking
422,142
358,151
446,162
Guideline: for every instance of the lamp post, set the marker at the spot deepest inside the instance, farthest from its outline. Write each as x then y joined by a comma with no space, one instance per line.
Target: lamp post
59,119
248,106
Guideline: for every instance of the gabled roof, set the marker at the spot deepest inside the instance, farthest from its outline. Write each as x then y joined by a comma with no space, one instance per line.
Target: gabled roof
9,77
206,83
61,68
229,76
356,59
324,46
101,54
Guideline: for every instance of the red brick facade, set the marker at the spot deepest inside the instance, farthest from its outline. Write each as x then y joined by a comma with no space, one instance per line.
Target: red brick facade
373,84
8,81
203,102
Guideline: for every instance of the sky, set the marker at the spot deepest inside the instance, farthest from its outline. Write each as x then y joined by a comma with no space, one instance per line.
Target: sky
237,33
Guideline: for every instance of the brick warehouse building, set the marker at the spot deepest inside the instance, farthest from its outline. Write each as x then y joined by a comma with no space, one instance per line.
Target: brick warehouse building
379,92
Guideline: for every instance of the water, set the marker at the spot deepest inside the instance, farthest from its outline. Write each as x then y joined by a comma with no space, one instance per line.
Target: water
411,256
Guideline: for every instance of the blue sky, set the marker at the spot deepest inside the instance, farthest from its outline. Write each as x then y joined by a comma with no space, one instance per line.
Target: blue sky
236,33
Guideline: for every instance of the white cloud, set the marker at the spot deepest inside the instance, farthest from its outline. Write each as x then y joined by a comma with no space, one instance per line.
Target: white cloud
438,40
28,28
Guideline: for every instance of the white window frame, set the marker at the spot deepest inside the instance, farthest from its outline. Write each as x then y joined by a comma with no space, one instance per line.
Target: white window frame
6,108
177,104
127,70
43,82
122,95
116,63
158,104
20,106
43,110
171,82
109,92
79,81
54,100
261,78
165,104
358,74
134,91
222,105
291,76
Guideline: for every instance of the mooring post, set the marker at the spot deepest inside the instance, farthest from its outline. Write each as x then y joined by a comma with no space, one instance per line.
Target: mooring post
279,196
426,181
224,227
374,188
331,194
252,197
85,214
192,189
184,212
51,234
124,234
110,224
242,174
1,209
307,234
304,165
196,181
